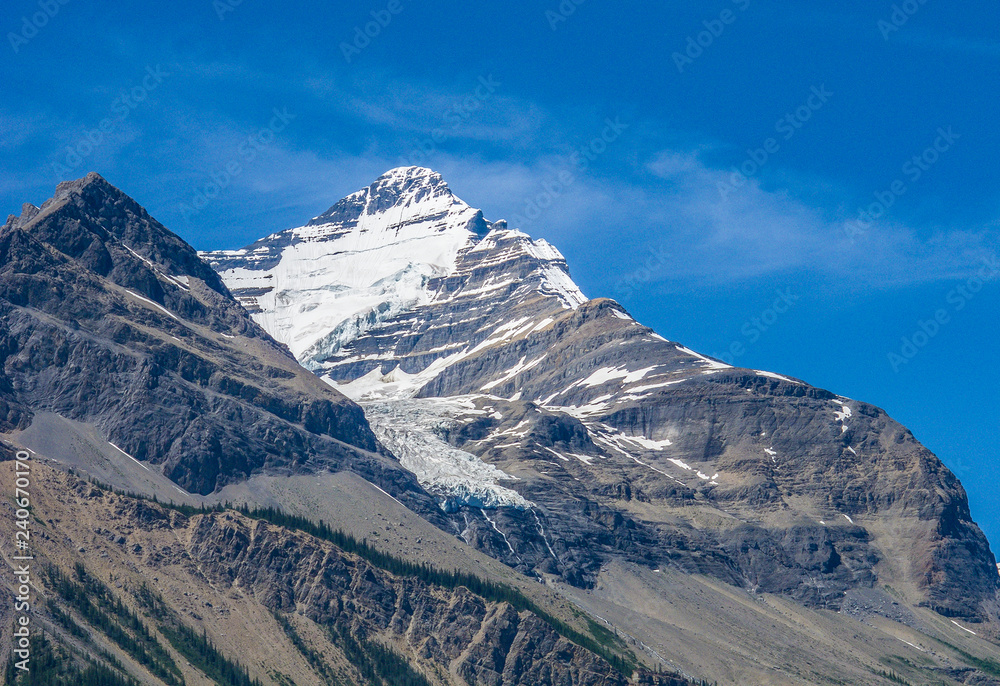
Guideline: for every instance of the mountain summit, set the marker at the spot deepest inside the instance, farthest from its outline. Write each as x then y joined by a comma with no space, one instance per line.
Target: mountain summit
611,498
377,253
562,435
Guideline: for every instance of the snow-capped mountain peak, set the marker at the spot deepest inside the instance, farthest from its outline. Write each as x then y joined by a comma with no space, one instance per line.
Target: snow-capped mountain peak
380,252
414,191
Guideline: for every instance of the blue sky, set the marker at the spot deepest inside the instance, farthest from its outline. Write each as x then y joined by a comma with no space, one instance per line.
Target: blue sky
696,163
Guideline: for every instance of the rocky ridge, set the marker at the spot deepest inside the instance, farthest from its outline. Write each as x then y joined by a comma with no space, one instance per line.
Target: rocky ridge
112,320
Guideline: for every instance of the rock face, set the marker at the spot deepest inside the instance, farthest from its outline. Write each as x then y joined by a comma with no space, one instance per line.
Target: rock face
275,600
560,433
112,320
484,642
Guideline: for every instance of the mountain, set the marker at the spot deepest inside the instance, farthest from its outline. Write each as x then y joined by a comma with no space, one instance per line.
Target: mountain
113,326
125,359
397,445
129,586
566,439
450,329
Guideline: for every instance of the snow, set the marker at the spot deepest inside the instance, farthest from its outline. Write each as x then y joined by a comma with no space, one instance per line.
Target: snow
128,456
182,282
852,450
595,406
377,257
506,332
647,443
772,375
844,414
412,429
385,493
912,645
606,374
847,518
711,364
343,277
963,628
396,385
586,459
541,530
519,368
542,324
502,534
555,281
643,389
621,315
158,306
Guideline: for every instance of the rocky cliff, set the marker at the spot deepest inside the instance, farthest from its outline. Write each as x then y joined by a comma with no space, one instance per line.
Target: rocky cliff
112,320
123,579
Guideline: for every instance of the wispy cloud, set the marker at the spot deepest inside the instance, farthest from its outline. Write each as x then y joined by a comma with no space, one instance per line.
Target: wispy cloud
668,202
930,40
676,210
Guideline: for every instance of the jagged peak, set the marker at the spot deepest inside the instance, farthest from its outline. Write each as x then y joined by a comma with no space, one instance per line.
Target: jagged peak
103,227
419,189
412,174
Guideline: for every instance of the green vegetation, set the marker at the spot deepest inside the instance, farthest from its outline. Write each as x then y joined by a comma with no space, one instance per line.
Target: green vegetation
490,590
314,659
101,609
106,613
893,677
985,665
196,648
204,656
624,662
51,667
378,665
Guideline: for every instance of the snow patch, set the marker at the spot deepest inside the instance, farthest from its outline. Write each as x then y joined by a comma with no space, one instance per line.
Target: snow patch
158,306
963,628
772,375
710,363
128,456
